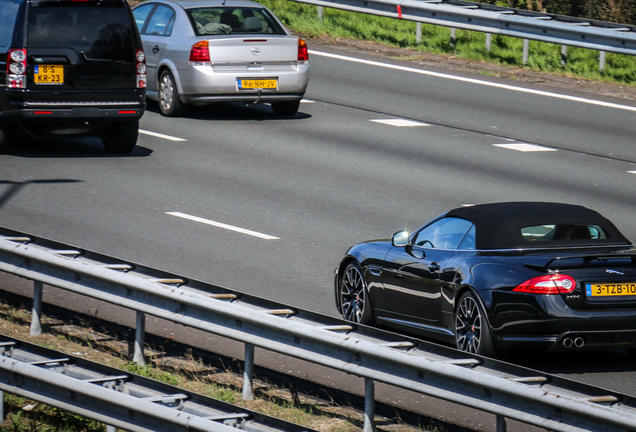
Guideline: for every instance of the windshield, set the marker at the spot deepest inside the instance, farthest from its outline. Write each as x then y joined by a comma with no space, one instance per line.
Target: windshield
226,20
100,33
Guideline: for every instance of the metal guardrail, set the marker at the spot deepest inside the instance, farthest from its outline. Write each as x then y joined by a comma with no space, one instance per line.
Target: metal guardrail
377,356
557,29
125,401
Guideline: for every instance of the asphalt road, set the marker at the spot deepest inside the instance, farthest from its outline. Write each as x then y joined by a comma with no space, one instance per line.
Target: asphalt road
232,195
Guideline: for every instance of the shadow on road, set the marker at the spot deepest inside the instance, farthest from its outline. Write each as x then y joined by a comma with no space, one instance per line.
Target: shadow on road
228,111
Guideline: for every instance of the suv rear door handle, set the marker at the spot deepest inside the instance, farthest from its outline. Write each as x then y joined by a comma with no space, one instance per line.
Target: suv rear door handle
155,49
433,267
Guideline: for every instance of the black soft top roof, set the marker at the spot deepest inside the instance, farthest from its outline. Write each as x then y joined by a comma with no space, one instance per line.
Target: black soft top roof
498,225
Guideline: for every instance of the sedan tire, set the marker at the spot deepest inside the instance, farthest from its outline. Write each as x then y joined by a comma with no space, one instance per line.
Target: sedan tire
353,296
169,103
472,332
286,109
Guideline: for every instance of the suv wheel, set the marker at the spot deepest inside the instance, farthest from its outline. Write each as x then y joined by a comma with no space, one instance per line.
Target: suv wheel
286,109
169,102
120,137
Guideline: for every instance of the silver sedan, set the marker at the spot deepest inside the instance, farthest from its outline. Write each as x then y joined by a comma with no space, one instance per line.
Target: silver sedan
204,51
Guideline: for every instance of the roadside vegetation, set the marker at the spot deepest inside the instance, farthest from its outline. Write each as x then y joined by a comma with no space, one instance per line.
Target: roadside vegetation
221,379
581,63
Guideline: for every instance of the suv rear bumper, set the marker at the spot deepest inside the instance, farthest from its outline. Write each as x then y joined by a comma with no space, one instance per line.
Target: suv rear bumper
47,113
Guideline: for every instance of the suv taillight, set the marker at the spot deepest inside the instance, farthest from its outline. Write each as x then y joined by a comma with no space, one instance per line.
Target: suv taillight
548,284
16,68
303,54
199,53
141,68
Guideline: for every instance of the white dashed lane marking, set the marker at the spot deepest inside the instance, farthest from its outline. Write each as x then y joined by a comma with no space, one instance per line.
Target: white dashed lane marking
158,135
523,147
399,122
222,225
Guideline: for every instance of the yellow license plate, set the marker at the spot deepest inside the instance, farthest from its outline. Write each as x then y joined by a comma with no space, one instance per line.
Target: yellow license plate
248,84
48,74
611,289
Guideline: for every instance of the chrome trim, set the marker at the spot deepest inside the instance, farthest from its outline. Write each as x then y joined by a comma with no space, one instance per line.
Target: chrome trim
430,328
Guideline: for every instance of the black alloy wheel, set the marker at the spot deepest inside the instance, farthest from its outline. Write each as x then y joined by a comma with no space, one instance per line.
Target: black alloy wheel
169,103
471,328
353,296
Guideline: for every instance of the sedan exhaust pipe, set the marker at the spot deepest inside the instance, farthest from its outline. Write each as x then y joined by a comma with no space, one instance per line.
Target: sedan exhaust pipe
579,342
567,343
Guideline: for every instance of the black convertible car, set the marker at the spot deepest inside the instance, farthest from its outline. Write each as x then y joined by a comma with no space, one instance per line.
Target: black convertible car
491,277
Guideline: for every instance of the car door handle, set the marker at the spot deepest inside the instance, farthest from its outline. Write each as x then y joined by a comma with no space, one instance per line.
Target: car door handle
155,49
433,267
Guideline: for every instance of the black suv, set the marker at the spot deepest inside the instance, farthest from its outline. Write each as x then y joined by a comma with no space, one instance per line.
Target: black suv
71,67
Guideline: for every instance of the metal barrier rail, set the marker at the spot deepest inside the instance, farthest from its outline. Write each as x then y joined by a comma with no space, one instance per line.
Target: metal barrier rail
557,29
125,401
507,391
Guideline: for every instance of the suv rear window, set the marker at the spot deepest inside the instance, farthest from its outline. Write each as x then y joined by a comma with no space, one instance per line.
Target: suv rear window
97,33
8,13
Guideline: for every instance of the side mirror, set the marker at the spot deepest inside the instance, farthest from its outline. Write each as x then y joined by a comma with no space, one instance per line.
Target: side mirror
400,238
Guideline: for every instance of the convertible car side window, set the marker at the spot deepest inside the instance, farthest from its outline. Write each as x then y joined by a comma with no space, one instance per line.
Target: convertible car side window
446,233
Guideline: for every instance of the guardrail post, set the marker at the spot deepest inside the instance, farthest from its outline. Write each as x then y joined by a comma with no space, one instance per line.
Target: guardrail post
501,424
319,13
1,406
418,32
601,61
138,353
526,50
36,313
111,428
453,37
369,405
488,41
248,373
564,54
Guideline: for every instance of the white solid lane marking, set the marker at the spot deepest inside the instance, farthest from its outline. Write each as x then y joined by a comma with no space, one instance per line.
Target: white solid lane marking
400,122
523,147
158,135
632,172
222,225
476,81
306,101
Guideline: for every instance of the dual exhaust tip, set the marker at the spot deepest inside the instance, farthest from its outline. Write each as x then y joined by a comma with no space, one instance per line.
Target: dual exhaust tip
576,342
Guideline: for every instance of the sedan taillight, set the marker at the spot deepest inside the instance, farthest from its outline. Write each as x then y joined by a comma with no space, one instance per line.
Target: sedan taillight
303,54
16,68
199,53
141,68
547,284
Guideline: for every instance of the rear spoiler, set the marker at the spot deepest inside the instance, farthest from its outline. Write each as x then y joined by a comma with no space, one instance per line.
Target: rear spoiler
581,260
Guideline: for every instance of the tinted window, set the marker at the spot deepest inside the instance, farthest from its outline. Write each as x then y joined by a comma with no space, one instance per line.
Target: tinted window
224,20
446,233
8,15
161,21
100,33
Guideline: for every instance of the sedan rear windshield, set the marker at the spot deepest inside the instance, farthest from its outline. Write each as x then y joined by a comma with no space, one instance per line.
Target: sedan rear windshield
97,33
226,20
563,232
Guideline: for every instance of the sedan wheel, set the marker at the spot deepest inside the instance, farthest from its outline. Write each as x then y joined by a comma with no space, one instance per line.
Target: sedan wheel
471,328
169,103
353,296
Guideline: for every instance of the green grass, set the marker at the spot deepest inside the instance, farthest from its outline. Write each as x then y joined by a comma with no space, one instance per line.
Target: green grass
470,45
